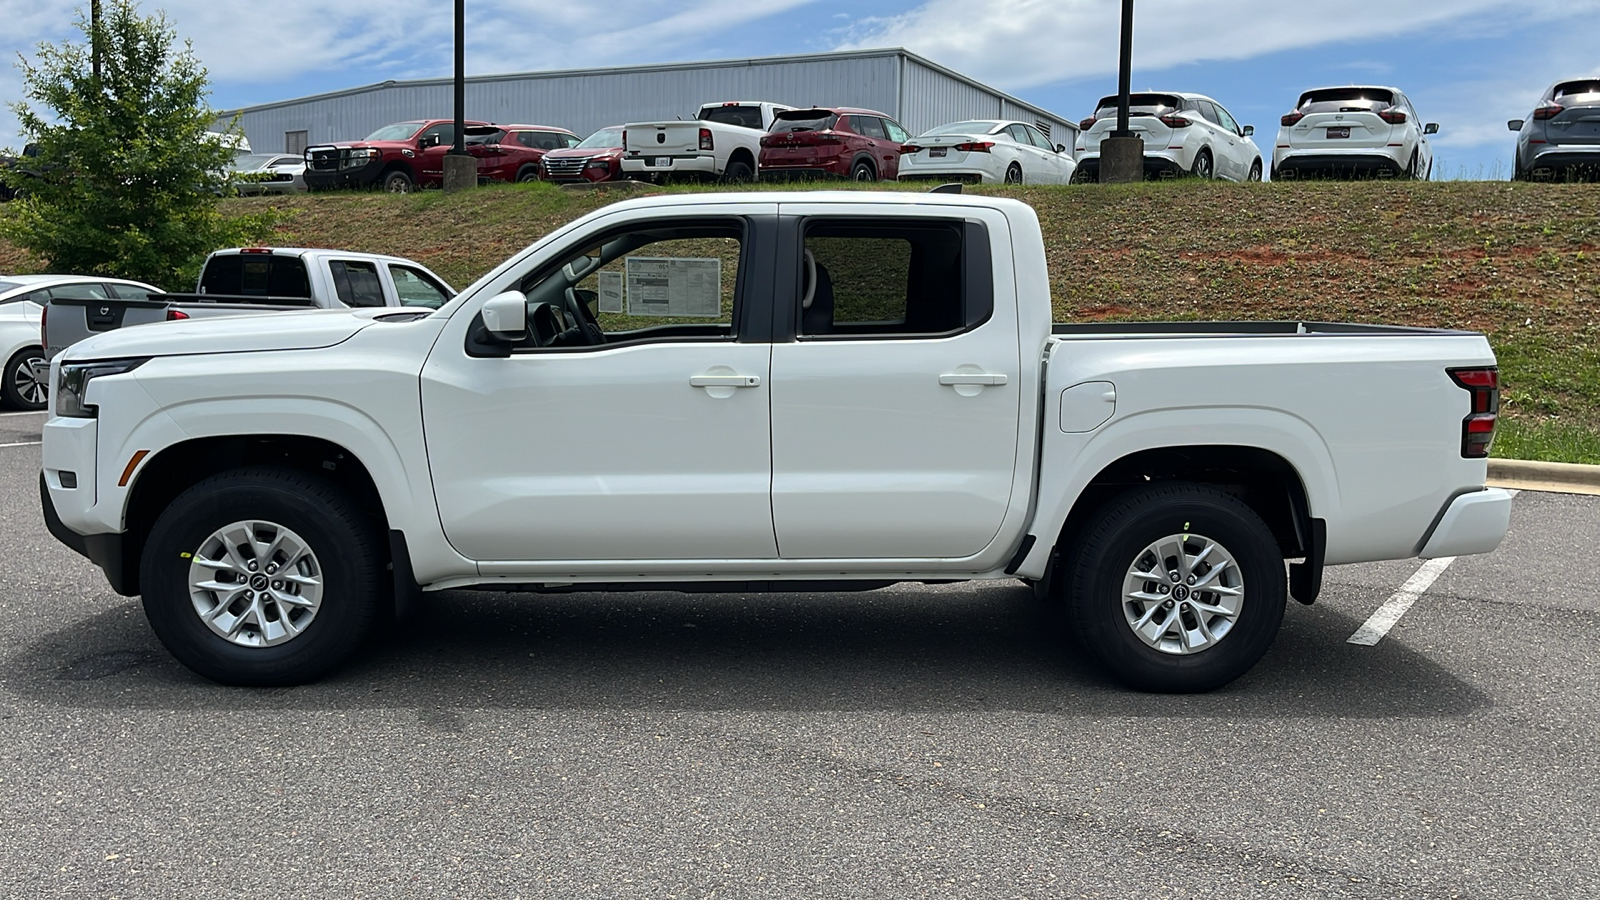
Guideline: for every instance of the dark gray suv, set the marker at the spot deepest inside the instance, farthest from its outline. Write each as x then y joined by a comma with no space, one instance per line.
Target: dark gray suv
1561,140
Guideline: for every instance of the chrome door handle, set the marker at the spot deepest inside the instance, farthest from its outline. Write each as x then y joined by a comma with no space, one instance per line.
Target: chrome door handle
733,381
972,378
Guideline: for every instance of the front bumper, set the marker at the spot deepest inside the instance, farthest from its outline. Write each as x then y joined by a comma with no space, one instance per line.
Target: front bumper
1472,523
104,550
365,175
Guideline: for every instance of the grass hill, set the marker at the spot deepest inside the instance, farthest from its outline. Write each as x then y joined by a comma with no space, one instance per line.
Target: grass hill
1519,262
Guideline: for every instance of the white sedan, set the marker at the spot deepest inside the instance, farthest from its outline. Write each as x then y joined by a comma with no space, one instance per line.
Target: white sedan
22,300
986,151
1354,130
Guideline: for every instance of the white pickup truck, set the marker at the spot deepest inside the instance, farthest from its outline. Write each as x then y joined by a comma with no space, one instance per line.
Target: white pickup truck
748,392
723,142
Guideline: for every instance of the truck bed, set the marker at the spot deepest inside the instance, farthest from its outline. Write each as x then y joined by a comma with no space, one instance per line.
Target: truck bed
1068,330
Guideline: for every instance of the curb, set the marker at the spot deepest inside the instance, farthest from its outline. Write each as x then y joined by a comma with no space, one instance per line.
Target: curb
1563,478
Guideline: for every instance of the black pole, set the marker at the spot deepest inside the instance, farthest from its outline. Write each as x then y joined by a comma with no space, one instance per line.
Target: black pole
461,77
1125,74
94,37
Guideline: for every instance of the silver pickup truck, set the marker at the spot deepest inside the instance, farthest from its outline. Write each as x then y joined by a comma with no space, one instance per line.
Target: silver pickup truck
253,280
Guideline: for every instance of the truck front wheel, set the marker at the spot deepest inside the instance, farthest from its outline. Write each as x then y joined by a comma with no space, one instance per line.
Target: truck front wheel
262,576
397,181
1176,588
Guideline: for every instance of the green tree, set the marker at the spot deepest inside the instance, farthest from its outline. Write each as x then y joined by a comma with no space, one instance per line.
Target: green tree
130,179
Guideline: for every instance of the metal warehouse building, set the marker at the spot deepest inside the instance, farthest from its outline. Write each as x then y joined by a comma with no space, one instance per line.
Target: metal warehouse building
916,92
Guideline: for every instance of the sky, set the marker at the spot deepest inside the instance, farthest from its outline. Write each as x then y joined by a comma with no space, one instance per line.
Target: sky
1469,65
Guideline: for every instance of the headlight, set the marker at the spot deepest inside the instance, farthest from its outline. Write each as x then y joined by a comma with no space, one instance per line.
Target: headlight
598,164
73,383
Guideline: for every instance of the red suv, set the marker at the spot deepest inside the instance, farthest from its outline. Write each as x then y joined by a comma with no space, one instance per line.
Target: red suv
512,152
598,158
859,144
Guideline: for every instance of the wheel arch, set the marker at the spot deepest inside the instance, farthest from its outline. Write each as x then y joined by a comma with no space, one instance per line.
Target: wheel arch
866,157
742,153
173,469
399,165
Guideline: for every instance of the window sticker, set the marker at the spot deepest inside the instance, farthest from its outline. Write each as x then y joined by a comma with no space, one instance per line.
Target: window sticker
610,290
674,286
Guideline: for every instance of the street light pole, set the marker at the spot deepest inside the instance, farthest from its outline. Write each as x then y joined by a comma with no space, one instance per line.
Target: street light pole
460,169
94,37
1122,154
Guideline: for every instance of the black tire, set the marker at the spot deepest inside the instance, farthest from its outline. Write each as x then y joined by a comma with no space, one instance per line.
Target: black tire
397,181
1113,542
19,389
348,550
1014,174
1255,171
1414,170
1204,165
527,174
863,171
738,171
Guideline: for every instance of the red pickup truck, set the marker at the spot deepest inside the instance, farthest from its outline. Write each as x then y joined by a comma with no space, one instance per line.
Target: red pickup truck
408,155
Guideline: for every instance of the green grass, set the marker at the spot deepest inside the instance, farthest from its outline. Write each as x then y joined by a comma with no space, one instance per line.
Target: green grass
1518,262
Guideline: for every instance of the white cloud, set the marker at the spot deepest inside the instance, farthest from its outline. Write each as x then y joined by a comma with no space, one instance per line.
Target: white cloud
1025,43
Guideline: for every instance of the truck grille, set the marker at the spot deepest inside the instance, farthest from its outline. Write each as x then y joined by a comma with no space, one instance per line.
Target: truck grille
567,165
324,159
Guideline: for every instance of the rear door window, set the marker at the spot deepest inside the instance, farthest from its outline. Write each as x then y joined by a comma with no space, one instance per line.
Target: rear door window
889,279
869,126
356,283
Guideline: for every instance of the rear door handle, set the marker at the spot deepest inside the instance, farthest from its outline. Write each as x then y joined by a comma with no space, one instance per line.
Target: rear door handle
972,378
733,381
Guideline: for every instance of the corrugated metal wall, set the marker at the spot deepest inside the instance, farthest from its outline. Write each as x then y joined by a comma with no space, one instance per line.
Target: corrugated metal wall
587,100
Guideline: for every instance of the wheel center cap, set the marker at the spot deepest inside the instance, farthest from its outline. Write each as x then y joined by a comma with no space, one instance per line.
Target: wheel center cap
1180,593
258,582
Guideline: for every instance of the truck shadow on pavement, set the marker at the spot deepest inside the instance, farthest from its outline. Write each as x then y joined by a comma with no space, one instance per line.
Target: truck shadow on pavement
965,648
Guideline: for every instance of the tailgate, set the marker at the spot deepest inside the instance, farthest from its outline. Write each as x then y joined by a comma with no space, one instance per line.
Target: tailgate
1156,133
1576,125
665,138
1340,131
70,320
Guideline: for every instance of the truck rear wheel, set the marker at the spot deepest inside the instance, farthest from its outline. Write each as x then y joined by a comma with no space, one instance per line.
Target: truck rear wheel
1177,588
262,576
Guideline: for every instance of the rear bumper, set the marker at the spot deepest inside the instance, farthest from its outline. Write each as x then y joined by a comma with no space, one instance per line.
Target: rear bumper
967,173
1154,167
1365,162
676,165
801,173
1564,160
1471,523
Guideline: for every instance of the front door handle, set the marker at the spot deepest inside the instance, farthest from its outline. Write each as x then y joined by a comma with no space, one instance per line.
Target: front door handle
972,378
729,381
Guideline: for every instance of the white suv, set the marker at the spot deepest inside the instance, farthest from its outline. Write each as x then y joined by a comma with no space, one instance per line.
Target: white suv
1184,134
1354,130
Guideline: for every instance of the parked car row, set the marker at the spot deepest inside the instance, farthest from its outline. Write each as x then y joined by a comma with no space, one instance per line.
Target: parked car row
408,155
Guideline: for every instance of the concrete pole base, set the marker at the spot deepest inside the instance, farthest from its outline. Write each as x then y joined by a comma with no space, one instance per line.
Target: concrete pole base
1121,160
460,172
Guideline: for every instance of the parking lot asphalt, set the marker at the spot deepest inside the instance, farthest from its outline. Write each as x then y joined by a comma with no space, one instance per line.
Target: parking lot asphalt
915,741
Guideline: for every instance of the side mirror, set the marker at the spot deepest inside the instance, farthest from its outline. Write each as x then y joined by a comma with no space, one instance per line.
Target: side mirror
1514,124
506,315
1248,130
1431,128
428,140
1061,148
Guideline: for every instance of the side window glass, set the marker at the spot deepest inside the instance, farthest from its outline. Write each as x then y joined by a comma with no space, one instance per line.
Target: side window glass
1226,121
869,126
883,280
1207,111
896,133
1041,140
356,283
128,292
79,292
414,288
571,140
444,135
673,283
1018,134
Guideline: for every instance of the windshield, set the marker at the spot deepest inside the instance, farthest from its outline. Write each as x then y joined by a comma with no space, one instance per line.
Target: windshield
963,128
400,131
804,120
1346,100
743,116
1140,105
605,137
254,160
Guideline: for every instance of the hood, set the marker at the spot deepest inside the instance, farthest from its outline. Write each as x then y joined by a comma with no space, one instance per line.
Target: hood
583,152
361,145
297,330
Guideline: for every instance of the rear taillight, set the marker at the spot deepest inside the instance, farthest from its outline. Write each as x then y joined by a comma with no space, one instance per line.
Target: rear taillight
174,315
624,138
1393,117
1292,118
705,139
1477,429
910,148
1545,113
975,146
44,315
1174,121
1086,124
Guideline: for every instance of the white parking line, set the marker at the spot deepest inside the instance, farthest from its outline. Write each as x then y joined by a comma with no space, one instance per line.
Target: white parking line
31,412
1379,623
23,444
